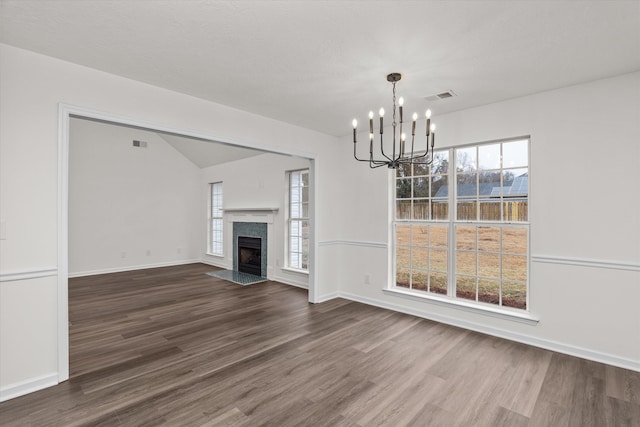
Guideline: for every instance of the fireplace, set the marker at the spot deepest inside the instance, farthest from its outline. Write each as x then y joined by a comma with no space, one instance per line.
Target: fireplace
250,243
250,255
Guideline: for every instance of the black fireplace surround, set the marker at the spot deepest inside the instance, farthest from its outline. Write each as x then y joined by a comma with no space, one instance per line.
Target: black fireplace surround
249,255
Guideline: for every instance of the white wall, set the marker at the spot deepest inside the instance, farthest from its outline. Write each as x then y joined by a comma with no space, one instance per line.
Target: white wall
129,207
256,182
586,133
27,308
32,87
584,213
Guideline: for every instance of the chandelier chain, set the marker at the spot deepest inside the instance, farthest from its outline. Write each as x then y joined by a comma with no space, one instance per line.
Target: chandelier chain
394,105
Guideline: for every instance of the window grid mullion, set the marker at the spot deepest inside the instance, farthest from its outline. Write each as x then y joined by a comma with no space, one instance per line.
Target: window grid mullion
453,214
477,244
501,253
501,193
428,258
429,253
410,256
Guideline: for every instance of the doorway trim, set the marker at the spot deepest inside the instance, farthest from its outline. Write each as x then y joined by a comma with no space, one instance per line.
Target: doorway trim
65,112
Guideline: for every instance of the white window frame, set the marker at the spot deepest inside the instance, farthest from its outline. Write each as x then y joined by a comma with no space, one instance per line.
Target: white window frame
216,219
452,223
295,242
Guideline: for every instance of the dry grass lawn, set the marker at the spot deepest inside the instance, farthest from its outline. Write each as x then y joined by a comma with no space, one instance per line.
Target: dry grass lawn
491,262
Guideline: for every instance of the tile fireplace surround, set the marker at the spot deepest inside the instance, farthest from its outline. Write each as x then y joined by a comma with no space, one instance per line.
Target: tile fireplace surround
251,229
252,222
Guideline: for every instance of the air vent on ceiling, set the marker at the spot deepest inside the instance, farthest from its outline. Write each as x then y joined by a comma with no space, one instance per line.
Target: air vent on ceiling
141,144
442,95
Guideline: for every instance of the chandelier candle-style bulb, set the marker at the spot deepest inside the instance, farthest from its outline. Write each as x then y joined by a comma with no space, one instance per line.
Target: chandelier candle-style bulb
355,127
413,125
381,118
427,114
433,134
371,122
400,104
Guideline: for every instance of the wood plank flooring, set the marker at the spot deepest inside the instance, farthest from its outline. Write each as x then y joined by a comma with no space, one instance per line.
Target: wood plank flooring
173,346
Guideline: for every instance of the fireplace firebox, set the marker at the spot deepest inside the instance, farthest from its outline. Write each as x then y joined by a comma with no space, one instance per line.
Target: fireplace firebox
249,255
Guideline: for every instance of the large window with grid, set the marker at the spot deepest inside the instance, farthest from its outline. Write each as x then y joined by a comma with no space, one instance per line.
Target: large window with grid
298,220
461,225
216,220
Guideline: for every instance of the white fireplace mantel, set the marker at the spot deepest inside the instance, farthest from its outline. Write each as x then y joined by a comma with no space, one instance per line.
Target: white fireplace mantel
250,214
250,210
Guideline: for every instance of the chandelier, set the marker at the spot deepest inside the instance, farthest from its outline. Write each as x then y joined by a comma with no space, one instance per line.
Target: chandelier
399,155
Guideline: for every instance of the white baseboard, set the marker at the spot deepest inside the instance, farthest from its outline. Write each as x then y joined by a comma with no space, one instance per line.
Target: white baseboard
215,264
133,267
29,386
327,297
558,347
292,282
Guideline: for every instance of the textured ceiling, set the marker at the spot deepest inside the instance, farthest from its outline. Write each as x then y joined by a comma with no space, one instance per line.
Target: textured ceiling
318,64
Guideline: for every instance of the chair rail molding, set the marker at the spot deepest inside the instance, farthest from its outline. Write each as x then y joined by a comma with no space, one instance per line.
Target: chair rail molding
28,274
586,262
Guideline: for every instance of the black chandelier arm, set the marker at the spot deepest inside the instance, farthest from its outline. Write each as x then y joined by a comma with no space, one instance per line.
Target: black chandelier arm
413,138
370,160
377,161
355,155
377,165
401,142
425,154
360,160
400,159
393,156
382,149
417,160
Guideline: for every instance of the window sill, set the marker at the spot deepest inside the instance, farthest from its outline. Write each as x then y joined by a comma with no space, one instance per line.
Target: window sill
295,270
501,313
215,255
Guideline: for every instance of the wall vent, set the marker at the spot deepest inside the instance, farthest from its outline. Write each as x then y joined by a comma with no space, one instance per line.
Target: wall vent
442,95
141,144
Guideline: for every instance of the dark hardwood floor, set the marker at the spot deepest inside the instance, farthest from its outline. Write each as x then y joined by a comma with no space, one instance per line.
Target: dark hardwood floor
173,346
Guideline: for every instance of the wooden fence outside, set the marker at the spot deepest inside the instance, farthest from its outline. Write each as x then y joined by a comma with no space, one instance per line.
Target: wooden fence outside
516,210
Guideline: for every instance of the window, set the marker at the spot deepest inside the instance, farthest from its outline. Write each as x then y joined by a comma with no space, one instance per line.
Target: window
422,257
216,221
461,224
298,220
421,190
